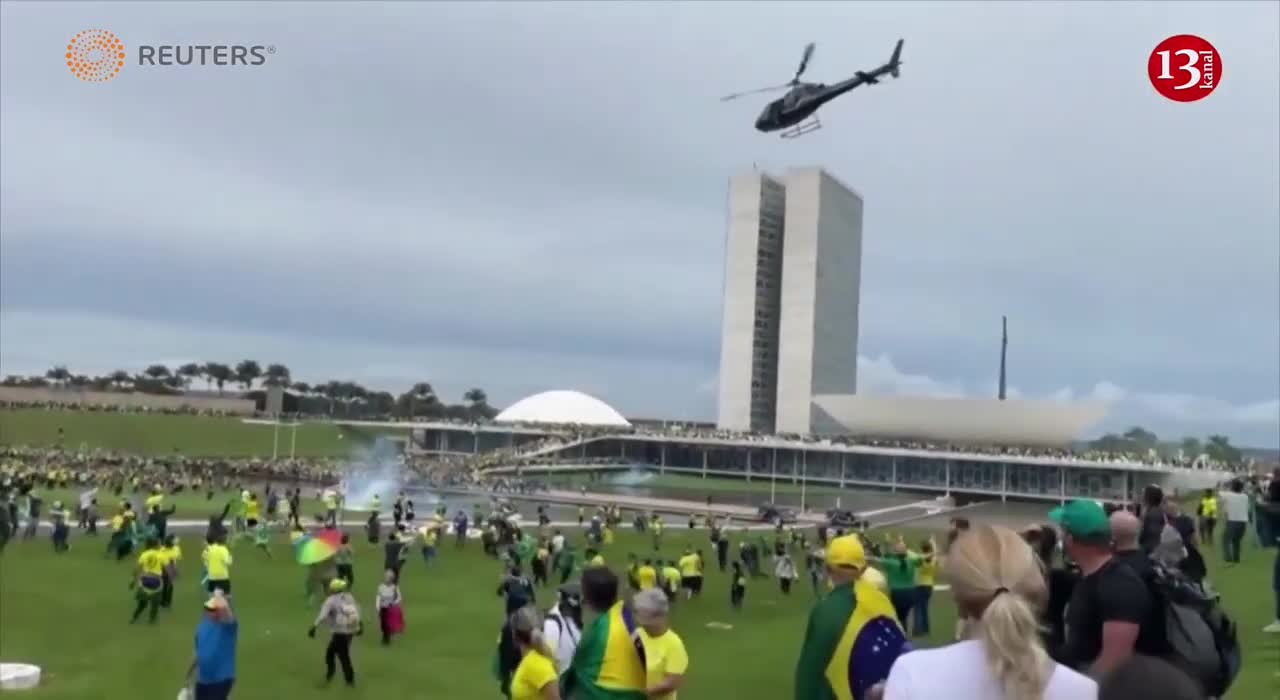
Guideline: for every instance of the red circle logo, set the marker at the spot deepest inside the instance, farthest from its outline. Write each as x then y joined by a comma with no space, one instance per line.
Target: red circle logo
1185,68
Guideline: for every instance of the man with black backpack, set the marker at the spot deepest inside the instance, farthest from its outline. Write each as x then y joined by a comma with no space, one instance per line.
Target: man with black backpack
1110,604
562,627
1185,618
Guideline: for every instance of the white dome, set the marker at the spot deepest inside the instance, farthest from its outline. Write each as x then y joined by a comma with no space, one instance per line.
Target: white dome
561,407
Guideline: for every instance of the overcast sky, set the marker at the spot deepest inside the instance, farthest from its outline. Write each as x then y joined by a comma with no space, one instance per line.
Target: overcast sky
525,196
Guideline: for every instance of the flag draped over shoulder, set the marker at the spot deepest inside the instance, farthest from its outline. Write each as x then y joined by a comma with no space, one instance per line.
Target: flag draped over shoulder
851,642
609,663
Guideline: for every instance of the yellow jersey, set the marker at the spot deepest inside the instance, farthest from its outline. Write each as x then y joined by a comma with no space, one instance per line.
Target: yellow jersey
531,676
663,655
671,577
647,576
172,555
151,562
690,566
154,502
597,560
927,570
217,562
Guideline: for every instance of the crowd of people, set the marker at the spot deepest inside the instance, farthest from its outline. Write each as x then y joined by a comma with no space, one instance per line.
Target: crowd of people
1073,609
564,434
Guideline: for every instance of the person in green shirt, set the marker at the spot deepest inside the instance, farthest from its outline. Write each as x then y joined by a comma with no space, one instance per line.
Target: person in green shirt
899,567
852,637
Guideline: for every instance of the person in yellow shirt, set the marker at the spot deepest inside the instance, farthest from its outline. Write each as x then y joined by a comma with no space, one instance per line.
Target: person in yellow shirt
172,552
647,575
671,581
217,567
535,677
1208,512
251,509
666,660
148,580
593,557
926,575
690,573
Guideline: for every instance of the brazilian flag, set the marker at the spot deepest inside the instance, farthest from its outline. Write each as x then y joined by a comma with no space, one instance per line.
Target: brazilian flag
851,642
609,663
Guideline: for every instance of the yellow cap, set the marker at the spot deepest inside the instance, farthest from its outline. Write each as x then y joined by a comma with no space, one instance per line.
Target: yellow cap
846,551
337,585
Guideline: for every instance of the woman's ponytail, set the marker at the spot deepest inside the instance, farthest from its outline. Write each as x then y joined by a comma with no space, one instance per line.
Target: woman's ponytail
1009,632
997,577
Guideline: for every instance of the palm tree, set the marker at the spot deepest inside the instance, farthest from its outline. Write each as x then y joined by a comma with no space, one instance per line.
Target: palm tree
58,375
246,372
477,404
1219,448
276,375
188,372
301,388
331,390
218,373
120,379
156,372
423,393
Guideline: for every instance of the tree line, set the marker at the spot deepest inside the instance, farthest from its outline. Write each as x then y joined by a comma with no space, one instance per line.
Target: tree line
1139,440
335,397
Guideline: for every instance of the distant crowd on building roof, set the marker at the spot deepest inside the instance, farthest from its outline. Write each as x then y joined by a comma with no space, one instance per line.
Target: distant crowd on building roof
567,433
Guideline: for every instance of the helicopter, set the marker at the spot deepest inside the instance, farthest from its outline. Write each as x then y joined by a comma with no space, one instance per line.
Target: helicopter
795,113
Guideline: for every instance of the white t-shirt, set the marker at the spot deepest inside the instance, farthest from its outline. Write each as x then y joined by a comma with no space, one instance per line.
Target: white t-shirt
959,672
563,638
1235,506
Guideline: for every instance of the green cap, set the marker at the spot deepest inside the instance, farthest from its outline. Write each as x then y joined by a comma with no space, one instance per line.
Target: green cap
1082,518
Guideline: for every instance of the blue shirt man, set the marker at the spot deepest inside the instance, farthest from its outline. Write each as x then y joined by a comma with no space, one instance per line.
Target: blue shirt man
214,662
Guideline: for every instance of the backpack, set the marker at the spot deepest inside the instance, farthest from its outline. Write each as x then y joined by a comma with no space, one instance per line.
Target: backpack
346,616
1201,636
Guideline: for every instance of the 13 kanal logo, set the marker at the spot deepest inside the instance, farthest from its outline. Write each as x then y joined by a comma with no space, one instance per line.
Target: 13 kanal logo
1185,68
95,55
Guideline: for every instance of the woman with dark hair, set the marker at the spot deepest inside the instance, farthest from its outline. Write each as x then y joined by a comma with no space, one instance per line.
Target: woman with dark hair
1060,581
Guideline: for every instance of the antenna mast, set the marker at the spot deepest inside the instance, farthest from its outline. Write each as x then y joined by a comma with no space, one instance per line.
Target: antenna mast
1004,351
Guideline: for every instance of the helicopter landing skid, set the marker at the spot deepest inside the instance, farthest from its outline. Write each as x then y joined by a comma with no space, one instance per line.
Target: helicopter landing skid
804,127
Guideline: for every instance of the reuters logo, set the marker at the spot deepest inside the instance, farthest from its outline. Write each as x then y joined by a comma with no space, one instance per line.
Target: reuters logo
95,55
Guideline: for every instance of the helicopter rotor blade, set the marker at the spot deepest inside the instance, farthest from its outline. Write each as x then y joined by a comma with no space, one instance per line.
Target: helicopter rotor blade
804,60
736,95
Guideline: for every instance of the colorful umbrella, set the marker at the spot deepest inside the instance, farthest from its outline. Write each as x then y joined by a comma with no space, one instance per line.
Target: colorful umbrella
317,546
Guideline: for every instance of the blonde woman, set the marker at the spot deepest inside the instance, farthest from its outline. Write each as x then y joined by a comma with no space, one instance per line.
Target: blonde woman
535,677
998,586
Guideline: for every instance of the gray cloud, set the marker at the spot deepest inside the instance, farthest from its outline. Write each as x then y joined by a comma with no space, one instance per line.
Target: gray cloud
528,196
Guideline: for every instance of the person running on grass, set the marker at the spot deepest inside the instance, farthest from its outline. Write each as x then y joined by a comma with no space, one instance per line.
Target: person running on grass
341,614
262,537
148,581
172,555
344,560
388,603
737,586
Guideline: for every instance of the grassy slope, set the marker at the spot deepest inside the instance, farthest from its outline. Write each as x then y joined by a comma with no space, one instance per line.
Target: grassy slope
68,613
160,434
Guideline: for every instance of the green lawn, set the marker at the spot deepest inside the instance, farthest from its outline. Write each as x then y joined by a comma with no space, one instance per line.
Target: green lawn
68,613
160,434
